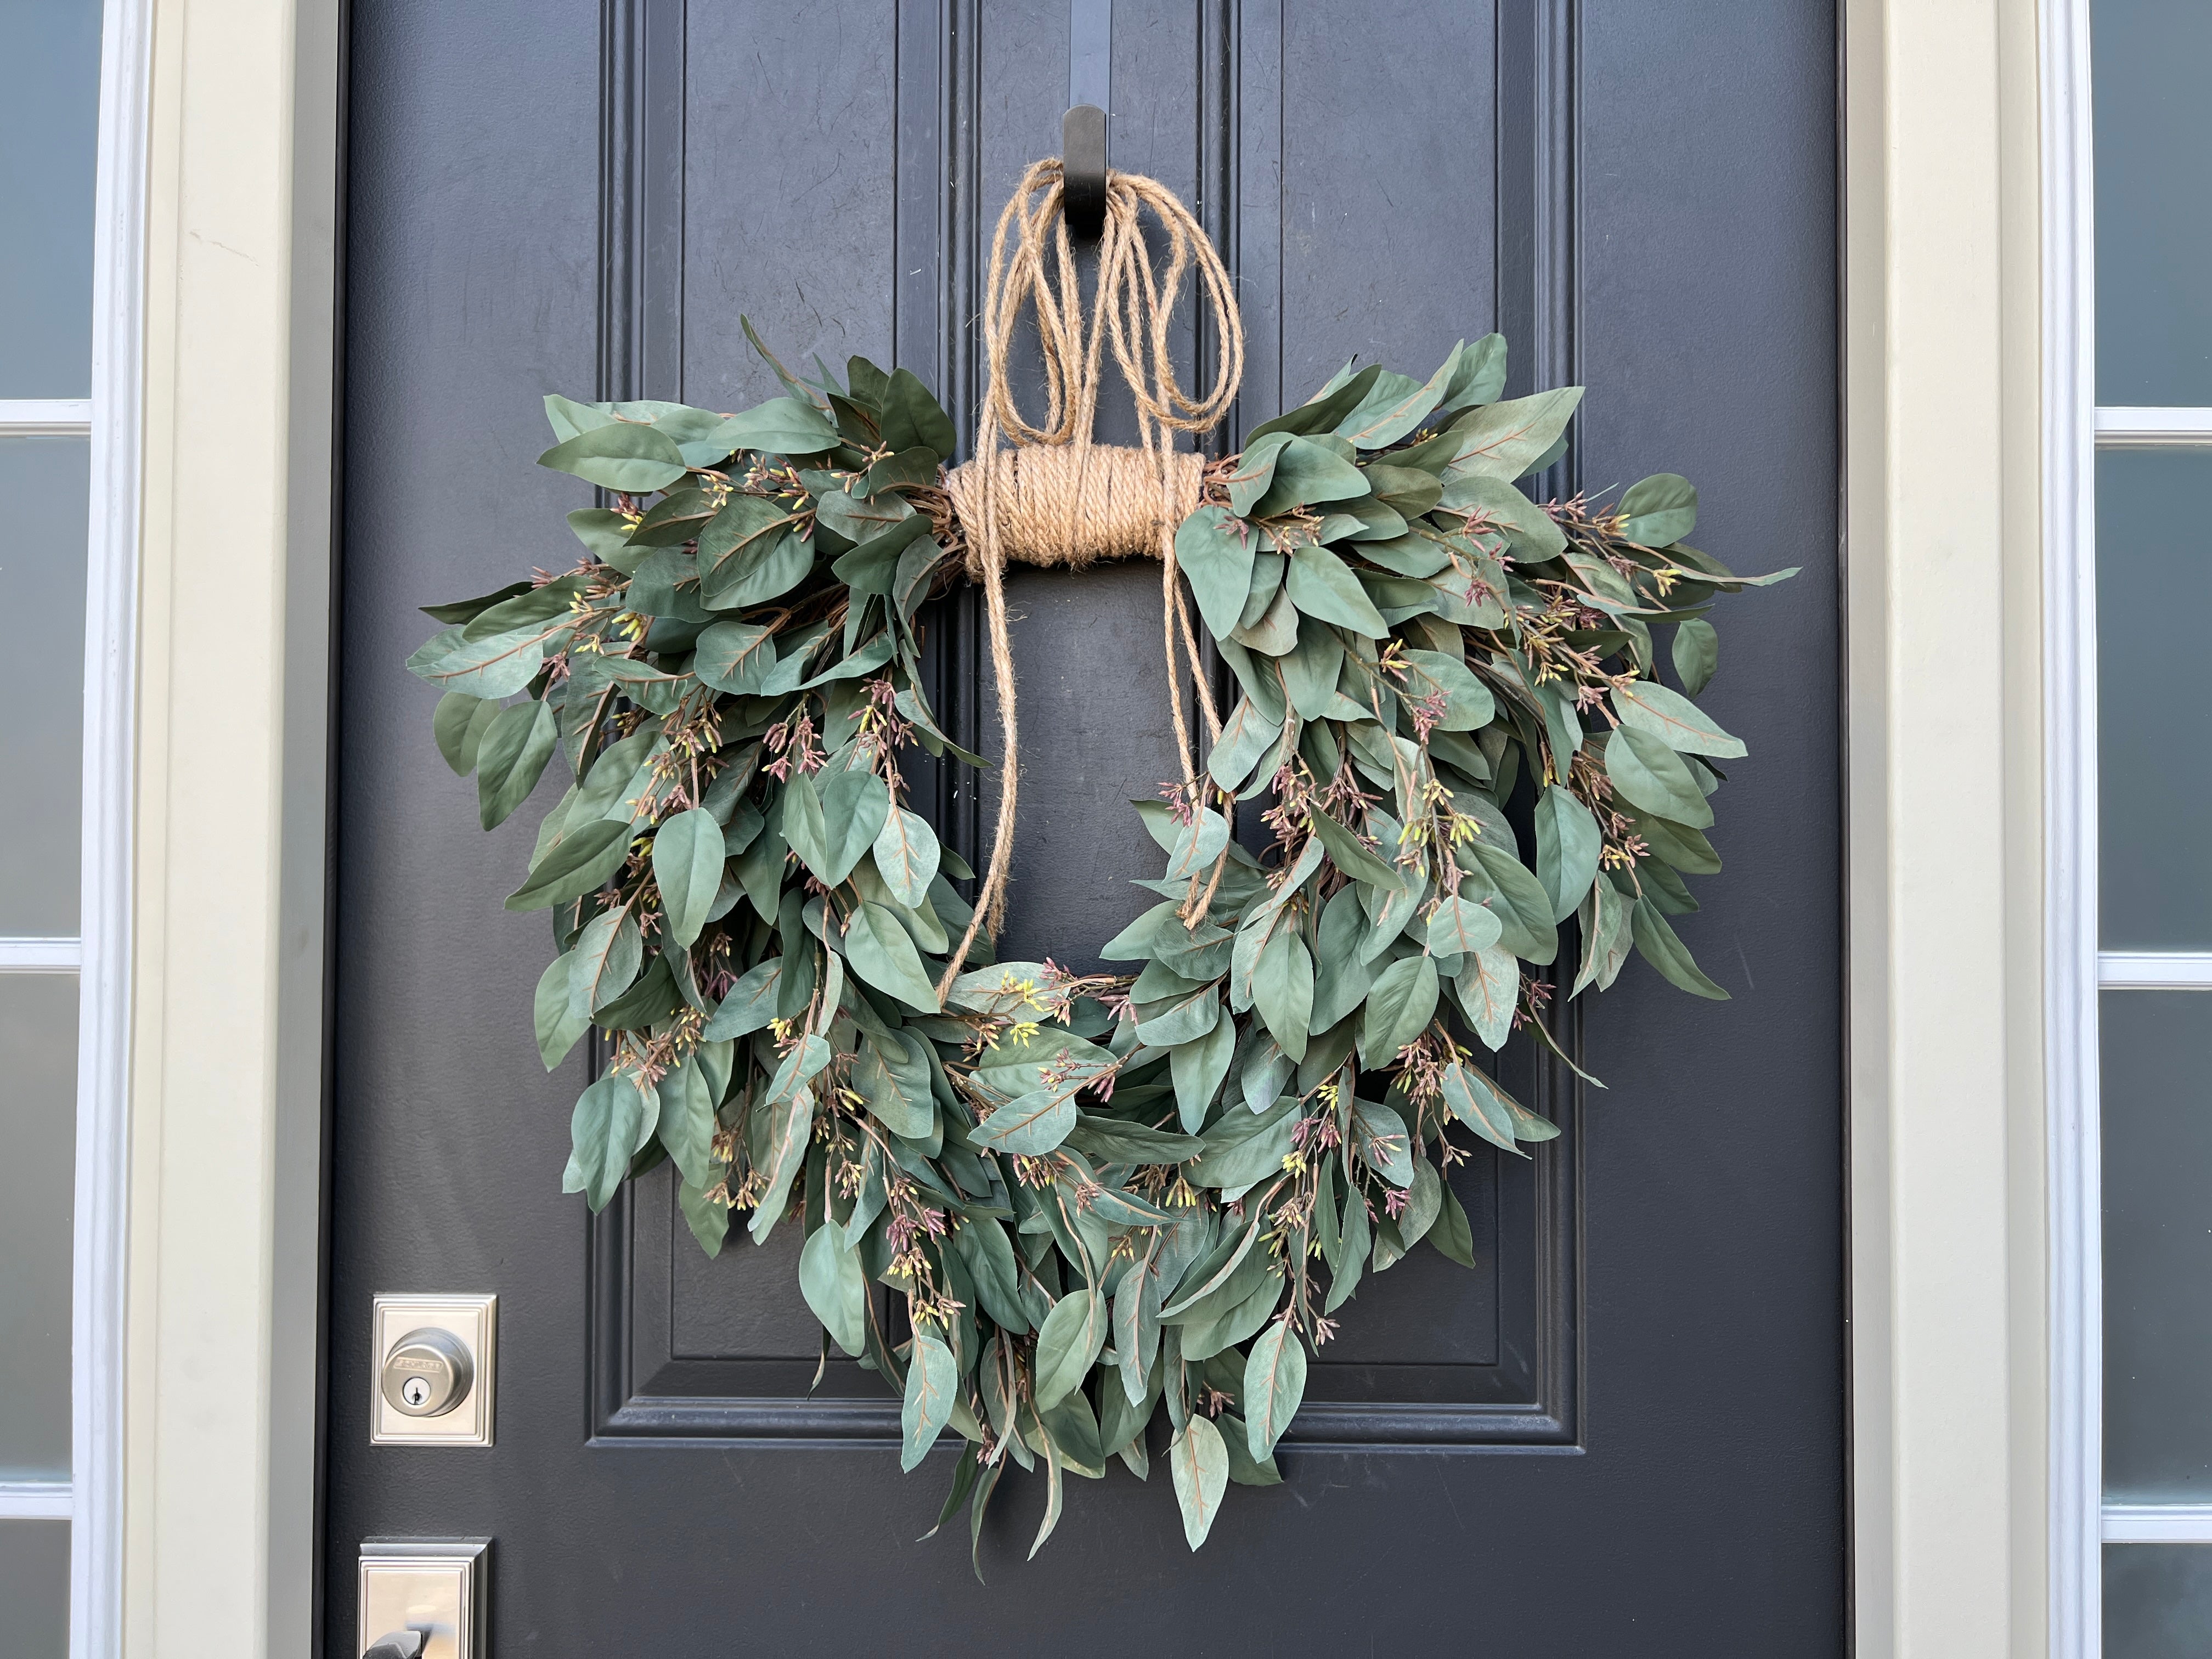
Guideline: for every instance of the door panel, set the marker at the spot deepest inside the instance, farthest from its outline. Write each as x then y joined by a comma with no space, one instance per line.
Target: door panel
1622,1432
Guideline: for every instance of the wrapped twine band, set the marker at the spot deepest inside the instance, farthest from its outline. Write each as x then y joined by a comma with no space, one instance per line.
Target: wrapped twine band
1044,494
1073,505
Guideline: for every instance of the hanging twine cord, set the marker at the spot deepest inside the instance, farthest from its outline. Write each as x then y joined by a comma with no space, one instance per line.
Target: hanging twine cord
1043,493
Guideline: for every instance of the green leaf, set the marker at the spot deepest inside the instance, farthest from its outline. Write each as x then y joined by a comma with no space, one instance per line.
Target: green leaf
612,1119
1529,531
1031,1126
1605,937
1452,1236
790,1126
1474,1103
855,806
1274,1384
1246,736
1282,990
1480,376
1244,1147
1184,1020
1459,928
1468,706
466,610
707,1217
1199,1463
1345,392
1398,1009
751,1004
834,1285
1110,1140
624,455
933,1384
1358,1233
1311,669
498,667
512,758
1323,586
584,859
1648,774
1215,550
1350,854
982,1245
1197,1067
881,953
912,417
687,867
804,826
1307,473
861,521
687,1121
1657,943
755,572
891,1073
608,953
1696,655
559,1024
1672,718
1489,987
1504,441
1529,931
781,426
1254,472
1568,844
1068,1344
459,726
735,657
906,856
1423,1201
1379,1136
1137,1324
1659,511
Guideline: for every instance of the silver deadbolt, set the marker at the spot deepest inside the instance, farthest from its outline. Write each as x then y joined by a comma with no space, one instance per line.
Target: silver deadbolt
427,1373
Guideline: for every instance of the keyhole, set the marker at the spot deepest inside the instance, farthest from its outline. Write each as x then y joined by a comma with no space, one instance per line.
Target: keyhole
415,1391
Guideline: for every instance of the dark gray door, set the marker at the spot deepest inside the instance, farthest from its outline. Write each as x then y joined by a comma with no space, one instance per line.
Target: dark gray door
1626,1436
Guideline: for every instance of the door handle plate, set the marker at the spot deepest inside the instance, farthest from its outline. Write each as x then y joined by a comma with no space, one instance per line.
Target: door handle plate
434,1585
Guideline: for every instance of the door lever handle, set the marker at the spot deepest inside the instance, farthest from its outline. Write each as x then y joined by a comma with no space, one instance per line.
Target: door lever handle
399,1644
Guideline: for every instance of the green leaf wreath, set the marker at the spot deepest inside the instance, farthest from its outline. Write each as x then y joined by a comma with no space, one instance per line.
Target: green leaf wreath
1090,1196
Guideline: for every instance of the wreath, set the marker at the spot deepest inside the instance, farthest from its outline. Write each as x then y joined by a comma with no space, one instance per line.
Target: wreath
1094,1195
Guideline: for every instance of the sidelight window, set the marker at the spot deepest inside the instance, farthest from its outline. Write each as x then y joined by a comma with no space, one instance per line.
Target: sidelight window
69,207
2131,828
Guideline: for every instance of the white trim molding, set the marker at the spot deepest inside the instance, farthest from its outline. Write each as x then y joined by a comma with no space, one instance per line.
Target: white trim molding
114,415
2153,970
35,1500
2071,428
45,417
2152,428
40,956
2158,1523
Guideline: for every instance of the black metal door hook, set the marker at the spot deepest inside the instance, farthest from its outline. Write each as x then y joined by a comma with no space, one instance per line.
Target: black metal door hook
1082,168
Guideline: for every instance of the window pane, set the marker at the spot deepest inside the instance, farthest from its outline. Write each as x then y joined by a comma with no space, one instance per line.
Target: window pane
2158,1245
43,487
2154,183
2158,1601
2153,586
38,1157
49,122
34,1561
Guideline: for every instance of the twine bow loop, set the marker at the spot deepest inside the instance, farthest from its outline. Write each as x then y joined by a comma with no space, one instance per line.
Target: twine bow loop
1043,492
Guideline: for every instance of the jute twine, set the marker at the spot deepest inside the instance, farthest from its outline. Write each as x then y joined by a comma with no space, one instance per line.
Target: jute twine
1045,494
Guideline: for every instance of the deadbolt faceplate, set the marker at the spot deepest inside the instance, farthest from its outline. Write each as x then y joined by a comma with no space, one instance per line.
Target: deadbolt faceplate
432,1384
427,1373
